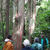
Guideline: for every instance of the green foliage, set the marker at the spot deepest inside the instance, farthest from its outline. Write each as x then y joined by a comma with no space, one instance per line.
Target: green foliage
43,20
38,2
42,17
0,47
1,38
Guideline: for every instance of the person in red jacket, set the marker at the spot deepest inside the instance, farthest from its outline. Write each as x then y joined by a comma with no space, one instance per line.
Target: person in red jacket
8,43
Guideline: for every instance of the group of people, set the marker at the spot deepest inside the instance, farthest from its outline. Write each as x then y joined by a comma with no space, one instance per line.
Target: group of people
42,45
38,44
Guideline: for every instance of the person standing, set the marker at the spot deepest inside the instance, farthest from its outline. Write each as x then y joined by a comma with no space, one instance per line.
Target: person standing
44,42
26,45
36,45
47,41
8,43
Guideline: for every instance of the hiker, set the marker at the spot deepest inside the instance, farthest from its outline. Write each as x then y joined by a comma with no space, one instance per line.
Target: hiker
47,41
36,45
26,45
8,43
44,42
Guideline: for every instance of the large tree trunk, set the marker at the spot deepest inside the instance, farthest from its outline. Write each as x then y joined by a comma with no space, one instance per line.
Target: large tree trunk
15,22
18,26
15,15
7,17
21,24
29,17
32,16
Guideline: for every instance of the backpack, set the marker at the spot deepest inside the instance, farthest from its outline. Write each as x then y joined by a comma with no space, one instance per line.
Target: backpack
36,47
44,43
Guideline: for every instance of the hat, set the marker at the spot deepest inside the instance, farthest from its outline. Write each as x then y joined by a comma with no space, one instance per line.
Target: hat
26,42
9,36
36,39
6,40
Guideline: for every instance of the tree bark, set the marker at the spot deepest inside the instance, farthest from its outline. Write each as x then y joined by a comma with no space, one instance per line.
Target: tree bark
32,16
2,19
29,18
19,23
0,10
15,24
7,17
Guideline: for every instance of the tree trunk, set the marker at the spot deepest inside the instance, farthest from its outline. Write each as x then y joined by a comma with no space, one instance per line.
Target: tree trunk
19,22
11,17
7,17
0,10
2,19
32,16
15,23
29,17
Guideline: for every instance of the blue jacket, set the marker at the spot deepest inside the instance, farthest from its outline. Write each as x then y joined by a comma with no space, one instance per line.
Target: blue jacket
47,42
39,46
27,48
